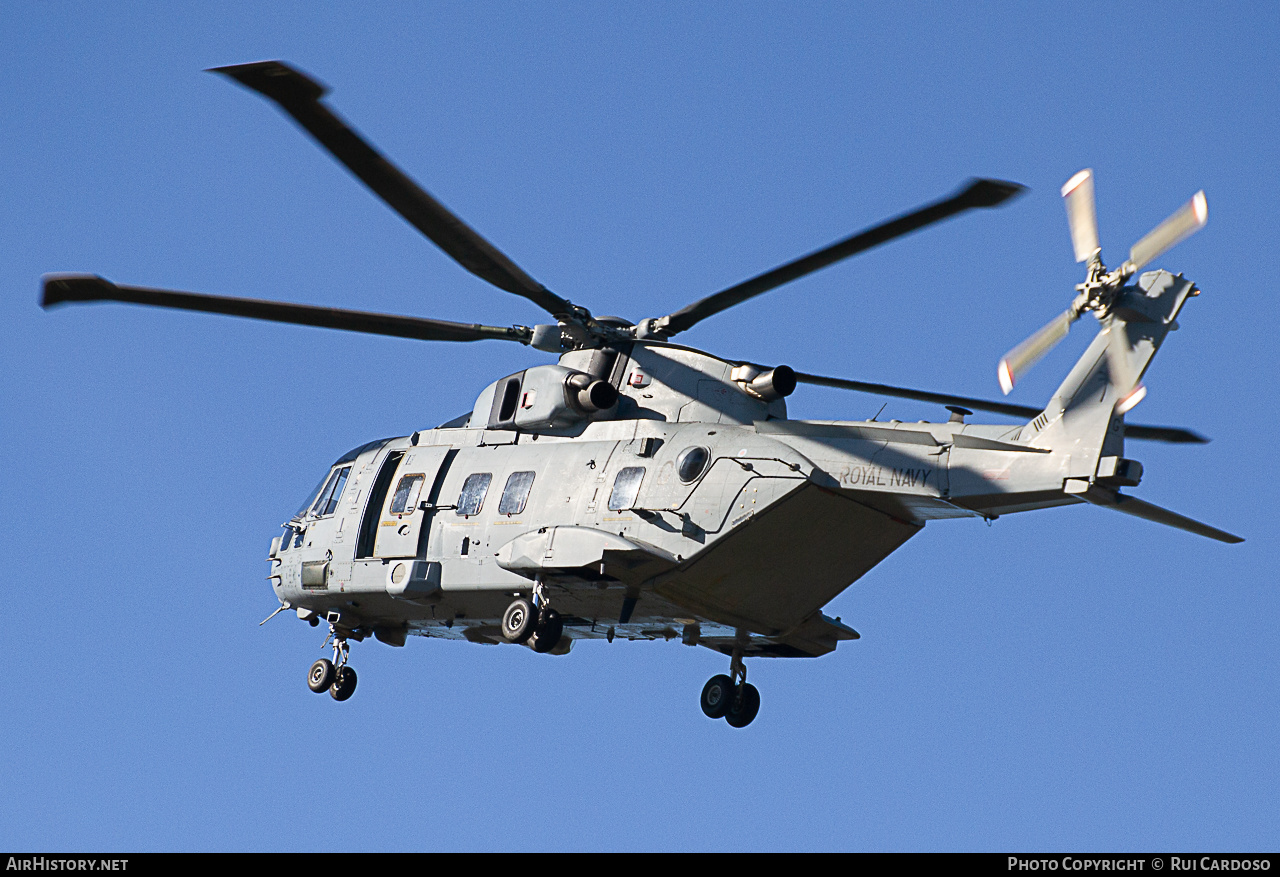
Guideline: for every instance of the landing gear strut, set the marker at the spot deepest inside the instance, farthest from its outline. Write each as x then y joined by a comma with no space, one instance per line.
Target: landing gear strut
731,697
334,675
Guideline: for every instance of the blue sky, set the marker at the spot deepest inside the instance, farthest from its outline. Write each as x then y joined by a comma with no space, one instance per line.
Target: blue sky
1070,679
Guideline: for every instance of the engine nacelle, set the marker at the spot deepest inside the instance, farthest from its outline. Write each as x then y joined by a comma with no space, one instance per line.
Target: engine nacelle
543,397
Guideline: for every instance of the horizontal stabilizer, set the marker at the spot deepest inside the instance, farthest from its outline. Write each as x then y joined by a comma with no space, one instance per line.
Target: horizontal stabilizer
1130,505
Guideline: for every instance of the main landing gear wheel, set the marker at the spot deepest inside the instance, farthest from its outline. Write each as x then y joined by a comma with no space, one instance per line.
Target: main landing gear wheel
743,708
320,676
731,697
546,636
717,696
519,621
344,683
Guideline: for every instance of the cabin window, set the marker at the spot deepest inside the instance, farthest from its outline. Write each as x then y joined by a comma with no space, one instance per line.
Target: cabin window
471,500
692,463
405,499
516,493
327,502
625,488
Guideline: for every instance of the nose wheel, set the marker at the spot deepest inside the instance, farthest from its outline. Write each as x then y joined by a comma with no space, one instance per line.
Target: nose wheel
334,676
731,697
344,684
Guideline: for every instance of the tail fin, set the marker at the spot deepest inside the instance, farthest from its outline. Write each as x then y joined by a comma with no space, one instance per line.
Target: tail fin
1081,417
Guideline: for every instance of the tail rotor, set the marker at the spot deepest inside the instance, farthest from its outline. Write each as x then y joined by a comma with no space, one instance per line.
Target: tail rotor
1101,287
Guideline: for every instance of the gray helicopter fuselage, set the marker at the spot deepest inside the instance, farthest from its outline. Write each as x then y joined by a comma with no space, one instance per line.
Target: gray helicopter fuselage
691,508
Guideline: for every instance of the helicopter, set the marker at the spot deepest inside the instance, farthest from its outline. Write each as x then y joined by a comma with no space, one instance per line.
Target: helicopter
645,489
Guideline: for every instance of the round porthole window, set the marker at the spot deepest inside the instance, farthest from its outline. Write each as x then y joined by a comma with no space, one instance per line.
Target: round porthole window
692,463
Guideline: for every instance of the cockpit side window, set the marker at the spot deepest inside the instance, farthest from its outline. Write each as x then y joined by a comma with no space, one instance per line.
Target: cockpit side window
332,505
291,537
327,502
471,500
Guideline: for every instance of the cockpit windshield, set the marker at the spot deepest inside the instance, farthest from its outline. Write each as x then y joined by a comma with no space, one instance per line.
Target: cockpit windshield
312,495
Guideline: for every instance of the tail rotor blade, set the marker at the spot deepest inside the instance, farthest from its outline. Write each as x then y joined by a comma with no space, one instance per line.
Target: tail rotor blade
1189,219
1128,391
1082,214
1019,359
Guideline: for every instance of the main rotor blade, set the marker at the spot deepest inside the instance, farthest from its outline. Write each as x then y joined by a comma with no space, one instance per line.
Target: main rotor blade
1019,359
59,289
1082,214
978,193
299,96
1171,434
919,395
1187,220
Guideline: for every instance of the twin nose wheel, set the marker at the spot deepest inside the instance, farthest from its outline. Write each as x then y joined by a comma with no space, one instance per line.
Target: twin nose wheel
341,681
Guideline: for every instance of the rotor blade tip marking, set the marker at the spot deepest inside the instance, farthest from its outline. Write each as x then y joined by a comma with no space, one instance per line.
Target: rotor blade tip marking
1129,400
1005,374
1201,207
1075,181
